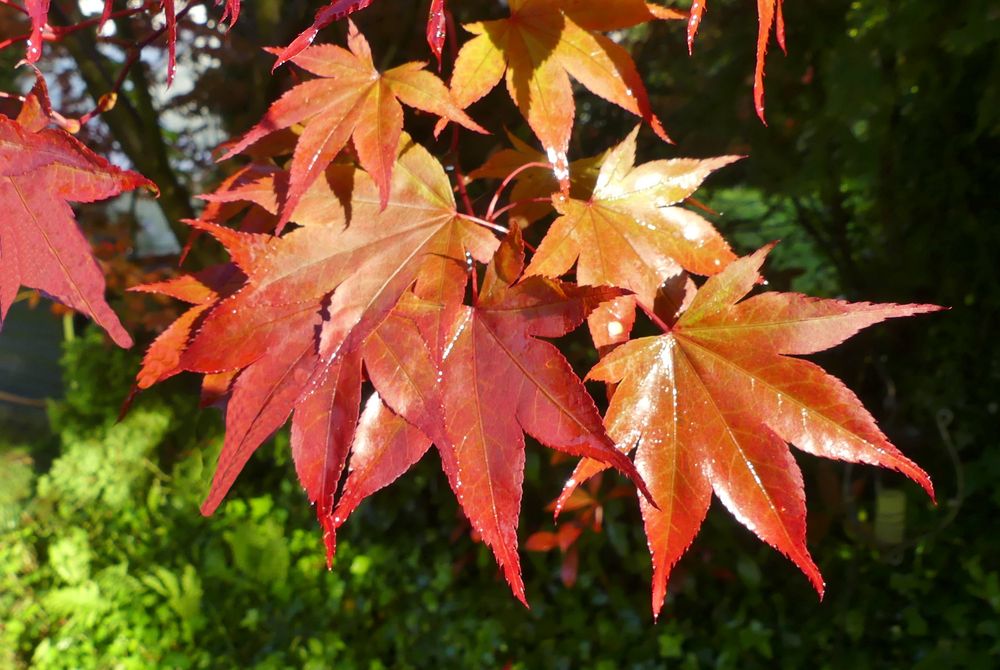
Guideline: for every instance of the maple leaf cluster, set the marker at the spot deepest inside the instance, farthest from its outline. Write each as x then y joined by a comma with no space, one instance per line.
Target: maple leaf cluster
364,304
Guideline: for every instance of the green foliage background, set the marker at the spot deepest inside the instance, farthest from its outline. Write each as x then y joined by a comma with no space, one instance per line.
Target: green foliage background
878,172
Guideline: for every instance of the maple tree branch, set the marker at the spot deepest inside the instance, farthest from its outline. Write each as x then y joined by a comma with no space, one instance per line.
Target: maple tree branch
57,33
108,99
134,123
22,400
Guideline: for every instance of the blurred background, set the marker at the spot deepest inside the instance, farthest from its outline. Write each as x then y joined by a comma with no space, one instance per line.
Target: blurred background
878,172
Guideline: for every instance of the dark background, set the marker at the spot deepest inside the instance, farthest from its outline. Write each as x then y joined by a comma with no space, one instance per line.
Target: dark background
878,171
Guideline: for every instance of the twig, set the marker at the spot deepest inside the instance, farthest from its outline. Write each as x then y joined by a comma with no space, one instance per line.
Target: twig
13,40
453,149
107,101
459,175
21,400
56,33
507,208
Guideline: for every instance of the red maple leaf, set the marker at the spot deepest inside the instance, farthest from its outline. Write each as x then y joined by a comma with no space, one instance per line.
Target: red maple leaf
710,406
350,99
437,28
329,295
493,382
500,380
539,47
293,328
42,170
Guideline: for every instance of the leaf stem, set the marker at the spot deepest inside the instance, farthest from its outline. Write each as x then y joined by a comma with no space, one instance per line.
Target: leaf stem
459,175
12,40
660,323
482,222
496,196
510,206
470,265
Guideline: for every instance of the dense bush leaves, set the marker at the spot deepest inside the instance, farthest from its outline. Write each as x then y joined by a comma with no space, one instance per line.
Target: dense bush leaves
42,170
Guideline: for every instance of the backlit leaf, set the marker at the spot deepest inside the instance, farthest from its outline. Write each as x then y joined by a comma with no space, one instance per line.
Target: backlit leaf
350,99
710,406
540,46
